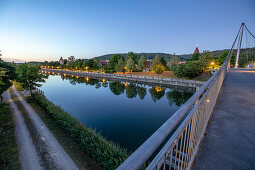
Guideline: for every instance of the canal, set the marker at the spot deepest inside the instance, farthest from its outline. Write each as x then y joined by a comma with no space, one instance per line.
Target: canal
125,113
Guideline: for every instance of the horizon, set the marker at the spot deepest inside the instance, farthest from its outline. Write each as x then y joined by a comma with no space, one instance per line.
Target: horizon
45,30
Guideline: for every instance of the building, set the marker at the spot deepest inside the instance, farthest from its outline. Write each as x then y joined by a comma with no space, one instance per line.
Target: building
196,50
104,62
61,61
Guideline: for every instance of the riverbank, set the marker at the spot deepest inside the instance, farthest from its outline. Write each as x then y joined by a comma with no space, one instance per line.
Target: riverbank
104,153
131,78
169,74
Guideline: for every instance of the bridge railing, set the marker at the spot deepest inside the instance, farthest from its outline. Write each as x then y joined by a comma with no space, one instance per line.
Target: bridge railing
179,151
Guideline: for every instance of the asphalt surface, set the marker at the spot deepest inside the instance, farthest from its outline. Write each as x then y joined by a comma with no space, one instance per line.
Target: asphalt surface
230,138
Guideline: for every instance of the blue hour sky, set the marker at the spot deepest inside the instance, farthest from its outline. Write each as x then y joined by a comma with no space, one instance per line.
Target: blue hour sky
47,29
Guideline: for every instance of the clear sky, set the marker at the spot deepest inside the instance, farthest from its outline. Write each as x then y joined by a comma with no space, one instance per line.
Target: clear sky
47,29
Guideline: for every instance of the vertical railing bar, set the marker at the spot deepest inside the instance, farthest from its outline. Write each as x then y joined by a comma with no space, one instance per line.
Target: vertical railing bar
171,157
176,153
187,148
184,145
180,152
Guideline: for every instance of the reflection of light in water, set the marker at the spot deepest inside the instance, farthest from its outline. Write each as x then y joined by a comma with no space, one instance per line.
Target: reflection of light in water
87,79
159,89
103,80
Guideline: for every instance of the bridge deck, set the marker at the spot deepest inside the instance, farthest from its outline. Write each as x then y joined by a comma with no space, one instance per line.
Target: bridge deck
230,139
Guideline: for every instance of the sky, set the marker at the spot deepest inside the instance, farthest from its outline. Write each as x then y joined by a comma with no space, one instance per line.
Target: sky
39,30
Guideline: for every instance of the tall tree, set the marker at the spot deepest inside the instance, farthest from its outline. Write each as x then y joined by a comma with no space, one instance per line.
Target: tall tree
7,73
114,61
173,62
142,63
130,65
120,66
163,61
71,59
29,76
133,56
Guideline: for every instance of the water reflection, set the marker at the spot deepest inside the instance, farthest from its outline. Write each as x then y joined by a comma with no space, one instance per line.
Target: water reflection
124,112
177,97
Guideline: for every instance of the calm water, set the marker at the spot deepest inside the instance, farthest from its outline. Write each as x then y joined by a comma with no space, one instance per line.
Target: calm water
122,112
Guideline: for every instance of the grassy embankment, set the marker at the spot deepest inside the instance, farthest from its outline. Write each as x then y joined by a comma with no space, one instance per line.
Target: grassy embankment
8,148
83,142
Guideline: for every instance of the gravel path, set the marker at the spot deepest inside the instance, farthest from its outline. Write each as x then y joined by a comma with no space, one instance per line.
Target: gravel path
52,150
27,153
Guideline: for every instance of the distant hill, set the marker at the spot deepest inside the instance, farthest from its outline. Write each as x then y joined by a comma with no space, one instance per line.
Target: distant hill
183,57
147,55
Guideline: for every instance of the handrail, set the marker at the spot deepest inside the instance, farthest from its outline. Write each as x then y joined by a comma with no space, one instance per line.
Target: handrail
186,139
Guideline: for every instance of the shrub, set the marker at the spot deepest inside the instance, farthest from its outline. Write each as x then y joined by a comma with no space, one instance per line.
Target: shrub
105,153
159,70
179,70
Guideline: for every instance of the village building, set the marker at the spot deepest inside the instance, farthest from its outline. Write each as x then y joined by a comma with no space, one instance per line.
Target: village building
61,61
196,50
104,62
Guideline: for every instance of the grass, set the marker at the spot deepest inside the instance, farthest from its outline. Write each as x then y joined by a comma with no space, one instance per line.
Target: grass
71,147
18,85
8,148
106,154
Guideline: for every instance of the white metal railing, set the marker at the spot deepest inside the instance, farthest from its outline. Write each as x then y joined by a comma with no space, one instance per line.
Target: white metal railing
179,151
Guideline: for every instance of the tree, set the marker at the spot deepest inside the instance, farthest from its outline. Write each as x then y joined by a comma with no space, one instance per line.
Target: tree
133,56
7,73
90,63
194,57
163,61
130,65
220,60
120,66
142,63
29,76
173,62
114,61
71,59
96,63
157,66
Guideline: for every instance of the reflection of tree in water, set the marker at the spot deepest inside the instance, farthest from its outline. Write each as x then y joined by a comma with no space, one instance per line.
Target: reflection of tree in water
131,91
105,84
177,97
141,92
117,88
157,93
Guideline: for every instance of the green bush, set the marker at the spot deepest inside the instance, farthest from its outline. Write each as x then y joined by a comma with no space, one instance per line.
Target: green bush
179,70
192,69
189,70
105,153
159,70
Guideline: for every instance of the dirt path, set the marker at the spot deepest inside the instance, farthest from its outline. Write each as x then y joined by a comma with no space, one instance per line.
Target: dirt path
27,153
49,148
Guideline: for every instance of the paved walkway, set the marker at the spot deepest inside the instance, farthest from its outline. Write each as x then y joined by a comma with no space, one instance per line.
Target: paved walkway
230,139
